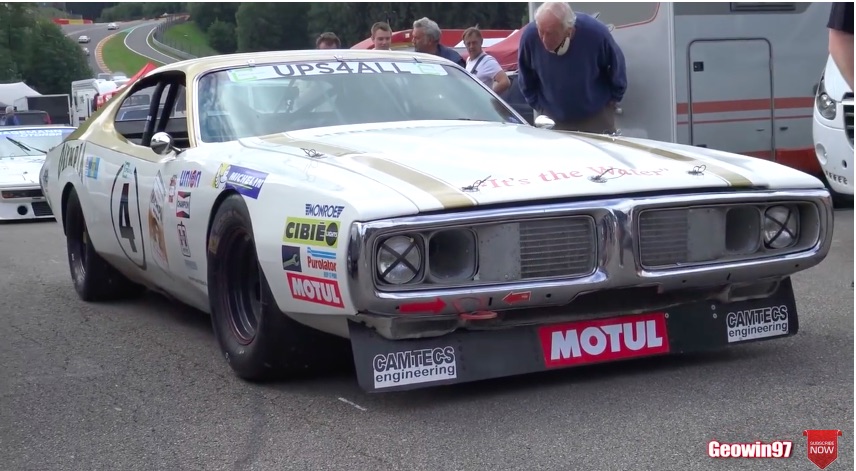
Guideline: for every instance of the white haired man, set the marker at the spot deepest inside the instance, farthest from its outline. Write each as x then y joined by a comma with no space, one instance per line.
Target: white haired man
426,39
571,70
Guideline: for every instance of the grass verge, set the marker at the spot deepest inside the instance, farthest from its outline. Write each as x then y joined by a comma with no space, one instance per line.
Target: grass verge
119,58
189,38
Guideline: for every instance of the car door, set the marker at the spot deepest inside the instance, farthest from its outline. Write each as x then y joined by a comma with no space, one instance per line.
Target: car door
136,182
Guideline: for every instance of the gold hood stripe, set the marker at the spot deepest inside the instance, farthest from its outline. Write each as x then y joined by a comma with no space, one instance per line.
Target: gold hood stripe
448,196
729,176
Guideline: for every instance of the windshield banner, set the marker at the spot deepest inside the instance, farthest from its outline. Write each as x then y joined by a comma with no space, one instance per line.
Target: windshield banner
303,69
35,132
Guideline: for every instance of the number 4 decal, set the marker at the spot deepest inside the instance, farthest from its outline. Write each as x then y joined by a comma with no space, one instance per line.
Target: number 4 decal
122,204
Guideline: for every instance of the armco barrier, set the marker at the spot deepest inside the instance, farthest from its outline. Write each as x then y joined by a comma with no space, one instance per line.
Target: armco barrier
71,21
170,51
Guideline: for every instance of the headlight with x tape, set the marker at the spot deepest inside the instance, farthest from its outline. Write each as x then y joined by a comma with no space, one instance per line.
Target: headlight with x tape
781,227
399,259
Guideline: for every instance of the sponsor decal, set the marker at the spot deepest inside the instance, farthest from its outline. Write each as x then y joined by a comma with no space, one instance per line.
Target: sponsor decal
126,169
245,181
333,68
601,340
190,264
71,157
182,205
182,239
291,258
92,164
758,323
14,134
756,449
835,178
325,211
822,446
323,260
197,281
414,366
569,174
190,178
315,232
156,233
315,290
519,297
171,192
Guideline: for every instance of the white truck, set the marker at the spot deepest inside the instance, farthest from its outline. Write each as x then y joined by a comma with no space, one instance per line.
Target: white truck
833,131
84,97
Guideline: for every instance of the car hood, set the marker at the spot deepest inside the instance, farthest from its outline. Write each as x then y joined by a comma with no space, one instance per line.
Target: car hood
474,163
20,171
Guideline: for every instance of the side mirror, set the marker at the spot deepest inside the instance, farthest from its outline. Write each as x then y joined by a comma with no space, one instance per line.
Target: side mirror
544,122
162,144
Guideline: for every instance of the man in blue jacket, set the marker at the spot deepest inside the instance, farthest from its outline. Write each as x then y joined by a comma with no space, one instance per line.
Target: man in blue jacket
571,70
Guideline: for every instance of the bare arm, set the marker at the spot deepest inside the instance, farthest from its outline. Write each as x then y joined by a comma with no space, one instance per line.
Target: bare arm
841,50
501,82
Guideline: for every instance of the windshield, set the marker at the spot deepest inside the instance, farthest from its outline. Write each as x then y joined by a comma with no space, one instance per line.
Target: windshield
33,140
261,100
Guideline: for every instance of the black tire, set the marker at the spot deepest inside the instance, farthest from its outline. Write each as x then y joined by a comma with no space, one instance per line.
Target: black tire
259,342
94,279
839,200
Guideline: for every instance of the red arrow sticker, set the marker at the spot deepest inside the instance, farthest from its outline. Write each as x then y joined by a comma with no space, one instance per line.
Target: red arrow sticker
512,298
434,307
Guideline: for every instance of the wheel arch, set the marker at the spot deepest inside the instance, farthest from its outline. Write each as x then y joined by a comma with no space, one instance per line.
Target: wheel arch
214,208
66,191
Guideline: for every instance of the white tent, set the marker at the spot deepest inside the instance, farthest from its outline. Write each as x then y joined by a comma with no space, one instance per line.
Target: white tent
9,92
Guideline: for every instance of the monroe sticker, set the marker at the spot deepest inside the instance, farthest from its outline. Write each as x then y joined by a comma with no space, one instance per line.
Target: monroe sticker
245,181
303,69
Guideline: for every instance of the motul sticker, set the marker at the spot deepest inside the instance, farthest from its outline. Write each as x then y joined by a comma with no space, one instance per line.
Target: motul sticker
822,446
315,290
602,340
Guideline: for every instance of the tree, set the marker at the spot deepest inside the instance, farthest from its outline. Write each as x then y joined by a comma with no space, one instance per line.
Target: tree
204,14
53,61
271,26
221,37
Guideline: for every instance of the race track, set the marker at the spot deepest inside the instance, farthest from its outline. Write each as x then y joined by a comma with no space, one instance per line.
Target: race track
141,386
136,40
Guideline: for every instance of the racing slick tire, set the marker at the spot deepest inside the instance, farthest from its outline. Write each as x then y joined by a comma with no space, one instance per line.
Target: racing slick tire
259,342
94,279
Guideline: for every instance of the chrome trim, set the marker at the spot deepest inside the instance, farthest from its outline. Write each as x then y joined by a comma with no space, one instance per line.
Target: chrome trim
618,262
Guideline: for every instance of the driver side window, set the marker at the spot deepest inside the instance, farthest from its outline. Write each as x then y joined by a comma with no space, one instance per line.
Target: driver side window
154,106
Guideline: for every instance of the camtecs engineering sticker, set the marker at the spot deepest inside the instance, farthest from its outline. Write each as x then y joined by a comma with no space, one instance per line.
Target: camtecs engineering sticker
414,367
757,323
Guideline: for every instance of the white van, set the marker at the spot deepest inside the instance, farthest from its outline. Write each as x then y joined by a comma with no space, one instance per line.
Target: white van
833,130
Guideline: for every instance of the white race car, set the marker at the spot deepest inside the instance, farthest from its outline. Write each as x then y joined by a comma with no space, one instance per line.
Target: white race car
22,153
112,26
83,39
391,199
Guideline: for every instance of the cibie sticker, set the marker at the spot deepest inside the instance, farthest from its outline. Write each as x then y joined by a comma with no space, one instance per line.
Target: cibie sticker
757,323
303,69
245,181
414,366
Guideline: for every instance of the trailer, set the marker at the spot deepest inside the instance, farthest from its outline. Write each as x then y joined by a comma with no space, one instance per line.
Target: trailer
56,106
85,96
737,77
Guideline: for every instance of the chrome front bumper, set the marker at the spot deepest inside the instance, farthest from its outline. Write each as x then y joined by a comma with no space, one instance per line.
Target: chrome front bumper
617,264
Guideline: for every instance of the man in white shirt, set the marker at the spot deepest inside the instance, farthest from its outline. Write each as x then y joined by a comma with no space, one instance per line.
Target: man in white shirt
483,65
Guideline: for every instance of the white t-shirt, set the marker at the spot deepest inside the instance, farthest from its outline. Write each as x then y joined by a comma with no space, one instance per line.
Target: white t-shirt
487,68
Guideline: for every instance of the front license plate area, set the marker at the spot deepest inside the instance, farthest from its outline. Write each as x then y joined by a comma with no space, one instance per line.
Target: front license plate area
463,356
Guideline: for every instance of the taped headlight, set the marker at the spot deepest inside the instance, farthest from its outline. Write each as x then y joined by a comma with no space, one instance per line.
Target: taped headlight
781,226
399,259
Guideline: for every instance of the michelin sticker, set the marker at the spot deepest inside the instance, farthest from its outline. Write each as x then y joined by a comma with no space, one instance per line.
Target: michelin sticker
414,367
758,323
303,69
245,181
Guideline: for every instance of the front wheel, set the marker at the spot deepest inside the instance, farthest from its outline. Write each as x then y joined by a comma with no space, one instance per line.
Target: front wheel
258,341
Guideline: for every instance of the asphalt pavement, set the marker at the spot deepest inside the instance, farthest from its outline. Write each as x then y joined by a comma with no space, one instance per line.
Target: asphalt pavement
141,385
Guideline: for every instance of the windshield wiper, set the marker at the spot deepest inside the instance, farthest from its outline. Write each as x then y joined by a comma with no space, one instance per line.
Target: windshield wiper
26,148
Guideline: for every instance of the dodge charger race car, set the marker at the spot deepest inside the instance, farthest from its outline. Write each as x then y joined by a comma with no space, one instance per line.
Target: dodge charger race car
388,207
22,153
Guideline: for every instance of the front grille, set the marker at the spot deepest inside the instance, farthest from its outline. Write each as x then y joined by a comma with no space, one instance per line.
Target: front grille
848,120
41,209
557,247
664,237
